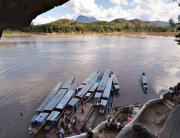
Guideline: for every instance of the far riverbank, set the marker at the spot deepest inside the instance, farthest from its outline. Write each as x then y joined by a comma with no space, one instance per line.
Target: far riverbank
131,34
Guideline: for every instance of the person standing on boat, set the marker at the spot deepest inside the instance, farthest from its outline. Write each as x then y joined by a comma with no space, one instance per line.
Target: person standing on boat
74,122
61,133
89,134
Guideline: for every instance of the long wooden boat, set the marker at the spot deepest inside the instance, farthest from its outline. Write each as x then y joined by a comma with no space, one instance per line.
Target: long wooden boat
38,122
68,83
49,97
92,77
52,119
52,104
64,101
115,82
107,90
104,80
72,106
144,82
84,90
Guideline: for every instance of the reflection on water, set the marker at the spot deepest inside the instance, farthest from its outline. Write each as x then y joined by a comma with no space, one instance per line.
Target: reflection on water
31,66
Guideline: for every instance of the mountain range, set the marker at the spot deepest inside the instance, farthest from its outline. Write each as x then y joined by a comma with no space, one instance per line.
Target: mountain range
88,19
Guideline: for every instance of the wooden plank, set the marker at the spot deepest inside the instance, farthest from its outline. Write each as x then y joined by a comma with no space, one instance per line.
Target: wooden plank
81,117
84,90
68,83
51,105
107,89
93,88
49,97
114,79
103,81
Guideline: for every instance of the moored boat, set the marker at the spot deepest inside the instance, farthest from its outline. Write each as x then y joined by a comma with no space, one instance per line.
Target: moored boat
144,82
38,122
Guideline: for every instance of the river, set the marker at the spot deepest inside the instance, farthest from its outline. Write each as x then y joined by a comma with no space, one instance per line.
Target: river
31,66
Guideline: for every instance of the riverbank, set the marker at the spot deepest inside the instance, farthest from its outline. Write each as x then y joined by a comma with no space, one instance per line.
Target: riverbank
131,34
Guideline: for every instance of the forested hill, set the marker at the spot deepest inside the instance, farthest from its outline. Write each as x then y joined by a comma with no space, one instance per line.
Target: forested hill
117,25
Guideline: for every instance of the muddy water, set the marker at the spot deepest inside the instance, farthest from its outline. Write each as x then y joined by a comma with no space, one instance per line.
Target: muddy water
31,66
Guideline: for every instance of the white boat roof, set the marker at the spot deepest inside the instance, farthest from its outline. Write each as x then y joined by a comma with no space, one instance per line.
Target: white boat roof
114,79
73,101
68,83
65,99
94,87
53,116
52,104
103,81
34,118
49,97
88,94
98,95
92,77
144,79
84,90
107,89
103,102
41,117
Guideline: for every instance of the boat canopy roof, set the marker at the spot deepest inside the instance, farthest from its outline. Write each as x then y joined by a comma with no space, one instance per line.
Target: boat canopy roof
34,118
104,80
144,79
65,99
107,89
57,87
73,101
88,94
98,95
84,90
41,117
92,77
68,83
94,87
52,104
114,79
53,116
49,97
103,102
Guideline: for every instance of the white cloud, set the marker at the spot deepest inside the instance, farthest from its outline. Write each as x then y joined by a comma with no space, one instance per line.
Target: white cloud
128,9
120,2
42,20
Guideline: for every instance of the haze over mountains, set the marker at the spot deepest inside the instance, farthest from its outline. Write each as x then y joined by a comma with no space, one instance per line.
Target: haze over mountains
89,19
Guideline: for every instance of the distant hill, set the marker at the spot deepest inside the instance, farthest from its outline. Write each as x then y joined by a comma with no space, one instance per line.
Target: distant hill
91,25
85,19
161,23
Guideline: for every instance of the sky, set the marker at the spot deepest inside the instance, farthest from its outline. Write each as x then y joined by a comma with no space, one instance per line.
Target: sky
107,10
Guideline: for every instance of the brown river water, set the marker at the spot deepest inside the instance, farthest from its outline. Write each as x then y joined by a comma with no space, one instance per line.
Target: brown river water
31,66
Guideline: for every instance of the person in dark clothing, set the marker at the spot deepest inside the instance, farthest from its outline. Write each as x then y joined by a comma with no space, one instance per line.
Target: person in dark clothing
89,134
82,110
75,108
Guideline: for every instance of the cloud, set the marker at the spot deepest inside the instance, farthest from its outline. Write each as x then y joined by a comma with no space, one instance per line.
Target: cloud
128,9
120,2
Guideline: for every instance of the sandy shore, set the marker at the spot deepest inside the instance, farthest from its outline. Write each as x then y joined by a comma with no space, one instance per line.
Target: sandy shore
130,34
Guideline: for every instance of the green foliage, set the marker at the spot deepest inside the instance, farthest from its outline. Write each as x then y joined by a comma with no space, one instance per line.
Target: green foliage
118,25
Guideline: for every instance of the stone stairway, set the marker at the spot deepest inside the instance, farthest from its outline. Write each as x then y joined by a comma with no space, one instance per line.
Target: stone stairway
169,104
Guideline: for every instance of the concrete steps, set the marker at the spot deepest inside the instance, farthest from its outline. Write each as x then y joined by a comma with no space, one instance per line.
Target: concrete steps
169,104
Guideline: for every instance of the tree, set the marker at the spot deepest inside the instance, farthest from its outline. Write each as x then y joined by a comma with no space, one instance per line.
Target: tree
171,22
178,28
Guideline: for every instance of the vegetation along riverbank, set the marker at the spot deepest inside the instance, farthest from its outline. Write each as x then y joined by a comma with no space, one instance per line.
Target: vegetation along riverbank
116,27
